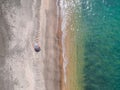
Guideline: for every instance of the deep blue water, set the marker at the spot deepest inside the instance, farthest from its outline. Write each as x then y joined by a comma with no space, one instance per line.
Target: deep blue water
99,23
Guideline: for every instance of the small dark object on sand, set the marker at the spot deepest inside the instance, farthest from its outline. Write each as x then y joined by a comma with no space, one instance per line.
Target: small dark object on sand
37,47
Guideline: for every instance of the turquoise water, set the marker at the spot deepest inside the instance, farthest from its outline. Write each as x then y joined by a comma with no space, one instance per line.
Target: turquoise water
98,23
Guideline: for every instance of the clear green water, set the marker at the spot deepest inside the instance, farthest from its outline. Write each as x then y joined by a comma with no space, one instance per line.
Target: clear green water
98,32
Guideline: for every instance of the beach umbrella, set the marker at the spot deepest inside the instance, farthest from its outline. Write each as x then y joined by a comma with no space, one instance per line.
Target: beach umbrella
37,47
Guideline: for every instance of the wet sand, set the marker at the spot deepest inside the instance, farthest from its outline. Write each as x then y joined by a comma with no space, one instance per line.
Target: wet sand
71,56
21,24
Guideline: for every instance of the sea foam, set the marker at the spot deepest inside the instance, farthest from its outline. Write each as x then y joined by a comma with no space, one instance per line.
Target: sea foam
66,11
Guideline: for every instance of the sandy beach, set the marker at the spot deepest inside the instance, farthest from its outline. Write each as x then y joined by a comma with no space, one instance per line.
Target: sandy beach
22,23
71,73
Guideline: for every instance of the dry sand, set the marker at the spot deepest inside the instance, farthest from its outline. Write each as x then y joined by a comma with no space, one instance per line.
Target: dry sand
21,23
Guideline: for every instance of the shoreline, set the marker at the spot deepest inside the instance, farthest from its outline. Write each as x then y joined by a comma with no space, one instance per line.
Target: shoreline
71,72
70,54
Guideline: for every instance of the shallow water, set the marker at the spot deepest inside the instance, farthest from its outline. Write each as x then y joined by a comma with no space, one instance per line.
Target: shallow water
102,45
97,23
